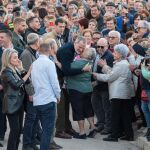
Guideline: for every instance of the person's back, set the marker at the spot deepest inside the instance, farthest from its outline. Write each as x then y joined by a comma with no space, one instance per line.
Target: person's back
42,80
47,93
83,80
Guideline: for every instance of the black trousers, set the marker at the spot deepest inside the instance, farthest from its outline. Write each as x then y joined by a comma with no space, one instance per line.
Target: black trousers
3,123
121,117
15,123
63,123
81,105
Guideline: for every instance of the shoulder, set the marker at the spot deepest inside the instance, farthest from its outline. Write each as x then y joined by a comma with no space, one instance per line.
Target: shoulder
67,48
80,62
7,72
25,53
48,35
105,31
124,63
15,37
14,34
108,55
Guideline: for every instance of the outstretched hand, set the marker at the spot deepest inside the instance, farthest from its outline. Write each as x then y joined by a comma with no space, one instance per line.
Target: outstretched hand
102,62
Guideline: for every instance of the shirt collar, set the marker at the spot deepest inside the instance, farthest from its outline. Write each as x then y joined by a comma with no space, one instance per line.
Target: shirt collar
43,56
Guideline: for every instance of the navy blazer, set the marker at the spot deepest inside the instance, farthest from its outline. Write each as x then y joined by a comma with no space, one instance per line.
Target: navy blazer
109,59
65,56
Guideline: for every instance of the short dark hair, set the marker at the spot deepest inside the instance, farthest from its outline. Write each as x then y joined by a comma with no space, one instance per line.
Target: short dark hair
97,32
7,32
44,3
84,22
137,15
42,12
59,20
30,20
95,5
111,18
129,34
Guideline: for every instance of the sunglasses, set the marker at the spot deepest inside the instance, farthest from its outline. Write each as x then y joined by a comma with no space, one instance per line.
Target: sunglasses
102,47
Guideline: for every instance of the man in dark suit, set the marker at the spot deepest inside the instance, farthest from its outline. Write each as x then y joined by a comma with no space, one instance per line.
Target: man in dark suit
100,96
65,56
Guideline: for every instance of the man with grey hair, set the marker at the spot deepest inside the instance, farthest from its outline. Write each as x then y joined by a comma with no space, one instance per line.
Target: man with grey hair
31,122
100,96
114,38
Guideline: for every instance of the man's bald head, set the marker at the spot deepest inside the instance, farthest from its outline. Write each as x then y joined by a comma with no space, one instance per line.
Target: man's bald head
102,45
103,40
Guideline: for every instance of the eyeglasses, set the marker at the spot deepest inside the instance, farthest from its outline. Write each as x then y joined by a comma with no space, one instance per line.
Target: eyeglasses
98,46
112,37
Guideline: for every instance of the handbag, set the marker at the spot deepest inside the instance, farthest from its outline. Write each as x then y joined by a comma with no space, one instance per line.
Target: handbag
144,96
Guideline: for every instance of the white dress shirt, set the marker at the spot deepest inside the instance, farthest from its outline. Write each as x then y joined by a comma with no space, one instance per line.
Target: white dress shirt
45,81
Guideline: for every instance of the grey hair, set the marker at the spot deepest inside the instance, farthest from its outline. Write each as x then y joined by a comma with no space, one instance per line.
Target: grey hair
52,43
145,24
80,38
91,53
32,38
115,32
122,49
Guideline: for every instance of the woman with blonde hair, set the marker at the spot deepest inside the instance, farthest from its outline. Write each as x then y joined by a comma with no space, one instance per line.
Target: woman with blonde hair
13,80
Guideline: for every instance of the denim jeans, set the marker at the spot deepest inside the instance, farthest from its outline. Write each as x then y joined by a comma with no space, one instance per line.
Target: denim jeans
146,109
30,125
47,116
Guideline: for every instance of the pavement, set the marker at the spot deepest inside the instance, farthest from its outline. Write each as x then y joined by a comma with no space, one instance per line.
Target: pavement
89,144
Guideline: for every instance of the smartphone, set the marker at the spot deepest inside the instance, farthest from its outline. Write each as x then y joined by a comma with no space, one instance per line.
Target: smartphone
120,6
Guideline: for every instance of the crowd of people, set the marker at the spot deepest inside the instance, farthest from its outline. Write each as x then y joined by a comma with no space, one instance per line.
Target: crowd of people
91,56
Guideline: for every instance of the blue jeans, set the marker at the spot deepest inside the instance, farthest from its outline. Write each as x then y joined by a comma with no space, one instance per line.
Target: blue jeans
146,109
30,125
47,116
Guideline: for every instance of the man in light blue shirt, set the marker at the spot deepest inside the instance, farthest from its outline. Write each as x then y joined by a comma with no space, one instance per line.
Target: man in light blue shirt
47,93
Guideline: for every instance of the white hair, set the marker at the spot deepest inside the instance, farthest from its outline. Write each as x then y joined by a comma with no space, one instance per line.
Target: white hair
145,24
116,33
91,53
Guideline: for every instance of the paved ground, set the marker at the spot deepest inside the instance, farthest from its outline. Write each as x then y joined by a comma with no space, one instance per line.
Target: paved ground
89,144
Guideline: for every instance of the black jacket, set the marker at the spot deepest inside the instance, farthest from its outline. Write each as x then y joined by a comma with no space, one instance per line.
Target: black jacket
13,88
103,86
65,56
28,31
